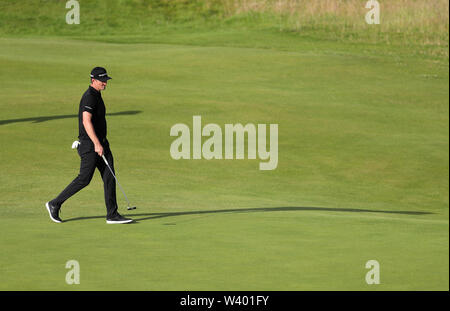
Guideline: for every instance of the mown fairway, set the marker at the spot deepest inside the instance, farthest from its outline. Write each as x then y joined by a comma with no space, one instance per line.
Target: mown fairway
362,169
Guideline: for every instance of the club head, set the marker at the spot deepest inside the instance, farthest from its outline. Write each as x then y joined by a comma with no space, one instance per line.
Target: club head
131,208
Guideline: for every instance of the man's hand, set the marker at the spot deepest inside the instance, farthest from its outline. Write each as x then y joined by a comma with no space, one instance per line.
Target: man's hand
99,149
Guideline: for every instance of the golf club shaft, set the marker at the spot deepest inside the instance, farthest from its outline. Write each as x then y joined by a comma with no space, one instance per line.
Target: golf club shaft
107,164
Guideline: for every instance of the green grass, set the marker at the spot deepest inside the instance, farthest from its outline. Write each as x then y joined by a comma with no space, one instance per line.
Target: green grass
410,26
363,152
363,156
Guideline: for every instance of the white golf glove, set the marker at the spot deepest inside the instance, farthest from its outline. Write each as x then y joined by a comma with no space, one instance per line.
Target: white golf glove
75,144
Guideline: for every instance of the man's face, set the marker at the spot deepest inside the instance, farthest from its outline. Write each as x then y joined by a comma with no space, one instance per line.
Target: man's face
99,85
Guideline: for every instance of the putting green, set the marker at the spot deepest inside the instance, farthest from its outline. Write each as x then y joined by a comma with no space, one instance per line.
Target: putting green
362,169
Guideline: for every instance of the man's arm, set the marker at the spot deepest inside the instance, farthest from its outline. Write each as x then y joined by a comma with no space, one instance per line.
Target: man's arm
87,123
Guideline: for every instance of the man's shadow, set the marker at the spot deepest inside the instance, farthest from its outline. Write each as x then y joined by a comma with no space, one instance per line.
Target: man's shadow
67,116
148,216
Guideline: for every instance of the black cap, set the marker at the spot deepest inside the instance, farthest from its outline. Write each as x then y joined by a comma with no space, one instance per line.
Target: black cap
99,73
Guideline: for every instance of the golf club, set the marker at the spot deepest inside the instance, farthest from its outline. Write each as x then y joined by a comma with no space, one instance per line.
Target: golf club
128,202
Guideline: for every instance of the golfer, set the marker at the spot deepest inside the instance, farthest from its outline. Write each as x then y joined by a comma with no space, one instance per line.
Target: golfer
93,145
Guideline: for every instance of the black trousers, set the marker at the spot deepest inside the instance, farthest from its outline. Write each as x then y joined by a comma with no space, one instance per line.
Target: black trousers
90,160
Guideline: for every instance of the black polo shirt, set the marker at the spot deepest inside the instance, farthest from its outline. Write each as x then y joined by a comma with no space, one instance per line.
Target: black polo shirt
92,102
